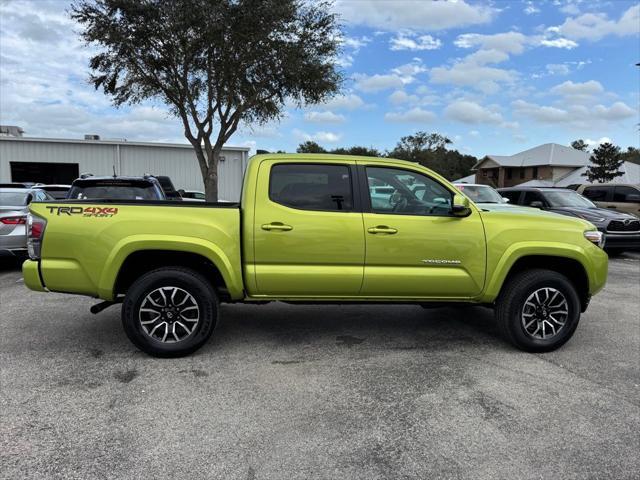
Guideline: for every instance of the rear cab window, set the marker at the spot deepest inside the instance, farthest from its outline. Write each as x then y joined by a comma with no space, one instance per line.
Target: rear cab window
318,187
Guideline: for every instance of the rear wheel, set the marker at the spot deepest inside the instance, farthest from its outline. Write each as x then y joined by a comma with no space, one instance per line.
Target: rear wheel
170,312
538,310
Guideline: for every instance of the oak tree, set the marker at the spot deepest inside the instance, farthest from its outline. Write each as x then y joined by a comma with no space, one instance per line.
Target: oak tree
214,63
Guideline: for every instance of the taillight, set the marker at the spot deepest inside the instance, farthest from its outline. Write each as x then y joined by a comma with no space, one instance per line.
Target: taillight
21,220
35,232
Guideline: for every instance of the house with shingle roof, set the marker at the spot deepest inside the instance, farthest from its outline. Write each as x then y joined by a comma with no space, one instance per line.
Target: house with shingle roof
548,165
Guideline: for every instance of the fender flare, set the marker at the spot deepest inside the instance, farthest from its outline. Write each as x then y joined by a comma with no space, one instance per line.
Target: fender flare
520,250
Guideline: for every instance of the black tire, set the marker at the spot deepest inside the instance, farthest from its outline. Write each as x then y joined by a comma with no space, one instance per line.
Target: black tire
184,280
511,304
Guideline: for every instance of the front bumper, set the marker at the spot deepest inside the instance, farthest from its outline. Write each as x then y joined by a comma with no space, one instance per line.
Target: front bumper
31,275
627,241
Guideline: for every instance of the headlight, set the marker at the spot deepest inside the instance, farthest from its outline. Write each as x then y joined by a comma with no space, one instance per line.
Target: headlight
596,237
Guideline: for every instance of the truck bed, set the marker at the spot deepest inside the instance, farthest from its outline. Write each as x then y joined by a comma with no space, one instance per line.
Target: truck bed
85,247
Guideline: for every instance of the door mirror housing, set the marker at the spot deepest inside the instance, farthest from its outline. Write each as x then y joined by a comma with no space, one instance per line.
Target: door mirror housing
460,206
536,204
633,198
505,199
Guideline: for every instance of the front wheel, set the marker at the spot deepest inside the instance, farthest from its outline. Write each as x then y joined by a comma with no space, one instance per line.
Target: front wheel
170,312
538,310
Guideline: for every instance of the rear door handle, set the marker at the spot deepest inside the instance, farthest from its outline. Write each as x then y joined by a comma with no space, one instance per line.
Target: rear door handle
382,229
612,206
277,226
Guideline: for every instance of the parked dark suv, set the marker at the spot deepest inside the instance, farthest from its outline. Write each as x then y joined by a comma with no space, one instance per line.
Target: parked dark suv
622,231
90,187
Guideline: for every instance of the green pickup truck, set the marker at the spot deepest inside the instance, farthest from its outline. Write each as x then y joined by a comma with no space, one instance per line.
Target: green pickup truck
318,228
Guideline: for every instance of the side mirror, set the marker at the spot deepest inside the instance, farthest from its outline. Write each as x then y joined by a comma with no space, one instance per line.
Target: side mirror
505,199
460,206
536,204
633,198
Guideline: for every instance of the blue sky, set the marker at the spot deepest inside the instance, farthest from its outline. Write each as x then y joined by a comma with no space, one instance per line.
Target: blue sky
495,77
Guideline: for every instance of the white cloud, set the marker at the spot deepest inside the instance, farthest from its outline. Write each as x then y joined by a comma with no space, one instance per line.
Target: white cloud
559,43
399,76
400,96
574,115
471,113
508,42
323,117
530,9
406,40
408,14
558,69
349,101
320,137
617,111
415,115
594,26
351,47
596,143
375,83
355,43
409,70
591,87
570,9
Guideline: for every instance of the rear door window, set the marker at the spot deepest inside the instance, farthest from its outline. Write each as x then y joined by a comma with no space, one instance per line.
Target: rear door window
312,187
599,193
512,195
622,193
531,196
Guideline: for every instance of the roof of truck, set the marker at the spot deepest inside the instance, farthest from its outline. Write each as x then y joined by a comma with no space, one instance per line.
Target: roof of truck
324,156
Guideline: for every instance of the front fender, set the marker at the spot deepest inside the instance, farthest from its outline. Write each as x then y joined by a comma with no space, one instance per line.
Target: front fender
593,259
136,243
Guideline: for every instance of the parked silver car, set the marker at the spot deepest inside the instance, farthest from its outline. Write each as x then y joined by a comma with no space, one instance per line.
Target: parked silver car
14,206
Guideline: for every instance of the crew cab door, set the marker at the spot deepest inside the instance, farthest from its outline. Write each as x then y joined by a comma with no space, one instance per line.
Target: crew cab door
308,237
414,247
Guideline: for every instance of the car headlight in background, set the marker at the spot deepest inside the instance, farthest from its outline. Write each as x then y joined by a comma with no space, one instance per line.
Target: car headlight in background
596,237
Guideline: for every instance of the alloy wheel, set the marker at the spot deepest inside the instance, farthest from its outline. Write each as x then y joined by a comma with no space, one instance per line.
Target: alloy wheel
169,314
545,313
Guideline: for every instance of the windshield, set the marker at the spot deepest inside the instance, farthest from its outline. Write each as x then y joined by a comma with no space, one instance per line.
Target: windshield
114,192
481,193
566,198
13,198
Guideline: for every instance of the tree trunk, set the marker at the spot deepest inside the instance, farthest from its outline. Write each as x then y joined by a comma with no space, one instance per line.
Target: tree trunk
211,179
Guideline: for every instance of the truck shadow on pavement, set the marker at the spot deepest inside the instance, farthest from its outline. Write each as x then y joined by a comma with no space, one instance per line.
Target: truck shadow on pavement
285,331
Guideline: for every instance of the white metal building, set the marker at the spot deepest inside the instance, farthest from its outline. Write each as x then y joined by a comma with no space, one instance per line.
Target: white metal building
52,160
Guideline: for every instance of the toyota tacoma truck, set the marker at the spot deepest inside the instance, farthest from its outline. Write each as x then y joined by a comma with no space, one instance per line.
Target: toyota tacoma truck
318,228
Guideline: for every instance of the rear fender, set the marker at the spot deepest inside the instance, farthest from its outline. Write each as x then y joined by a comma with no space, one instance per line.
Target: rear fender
136,243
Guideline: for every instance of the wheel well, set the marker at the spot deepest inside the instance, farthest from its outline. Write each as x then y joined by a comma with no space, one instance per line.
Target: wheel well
139,263
570,268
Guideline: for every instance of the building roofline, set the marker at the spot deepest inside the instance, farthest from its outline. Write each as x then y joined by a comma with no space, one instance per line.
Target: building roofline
112,142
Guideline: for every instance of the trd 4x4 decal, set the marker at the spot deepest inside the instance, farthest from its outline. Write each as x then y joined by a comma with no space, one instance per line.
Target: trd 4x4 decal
84,211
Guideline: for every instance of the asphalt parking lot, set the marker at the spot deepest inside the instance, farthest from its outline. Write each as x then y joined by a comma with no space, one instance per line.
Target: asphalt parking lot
321,392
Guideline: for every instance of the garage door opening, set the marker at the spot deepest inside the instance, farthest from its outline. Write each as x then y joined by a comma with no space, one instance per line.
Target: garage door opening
42,172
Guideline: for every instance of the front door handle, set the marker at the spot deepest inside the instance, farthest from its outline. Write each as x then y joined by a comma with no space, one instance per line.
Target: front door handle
382,229
611,206
277,226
